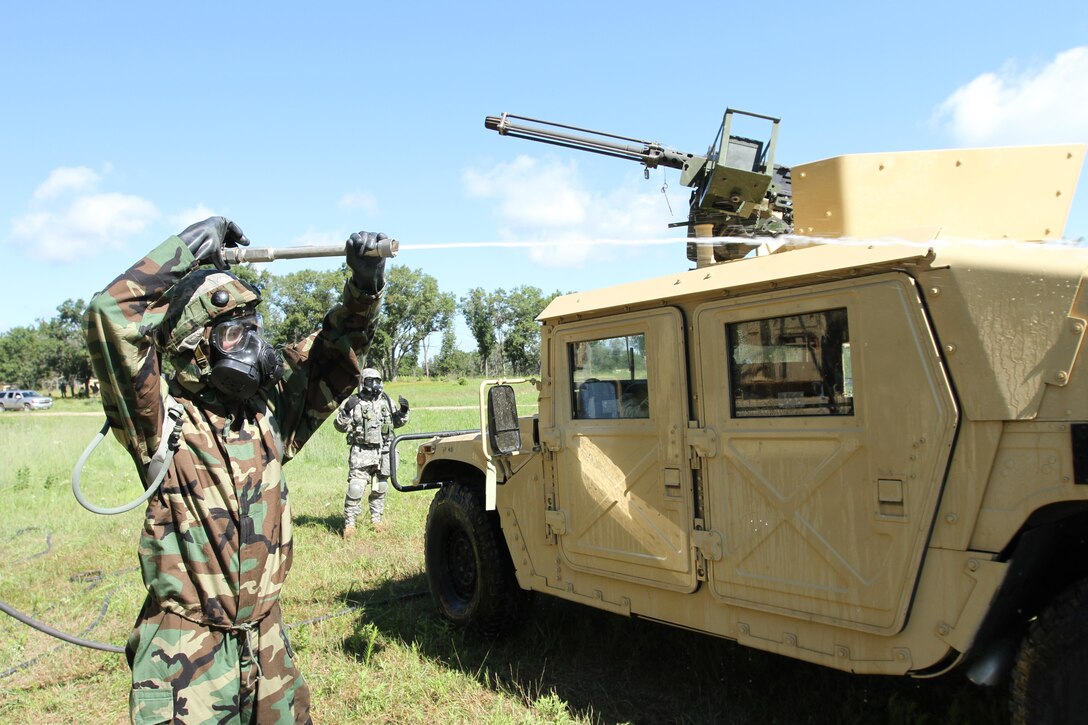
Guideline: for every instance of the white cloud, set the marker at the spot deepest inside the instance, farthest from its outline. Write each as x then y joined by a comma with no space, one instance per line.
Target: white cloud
547,201
66,178
68,219
1013,106
531,193
190,216
313,238
359,200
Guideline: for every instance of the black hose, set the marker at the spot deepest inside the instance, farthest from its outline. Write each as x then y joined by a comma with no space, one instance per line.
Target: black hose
71,639
94,577
46,550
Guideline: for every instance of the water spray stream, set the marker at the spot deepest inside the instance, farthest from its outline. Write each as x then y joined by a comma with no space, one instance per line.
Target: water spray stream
759,245
770,243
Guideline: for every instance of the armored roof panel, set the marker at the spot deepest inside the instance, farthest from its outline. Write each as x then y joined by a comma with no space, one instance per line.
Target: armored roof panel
1015,192
782,269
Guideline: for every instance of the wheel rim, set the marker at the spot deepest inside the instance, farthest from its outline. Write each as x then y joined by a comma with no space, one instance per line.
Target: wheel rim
462,564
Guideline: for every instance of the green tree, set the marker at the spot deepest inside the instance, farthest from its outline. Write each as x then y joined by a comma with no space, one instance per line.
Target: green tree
481,313
24,353
505,328
453,362
48,353
412,309
65,344
264,282
521,336
298,302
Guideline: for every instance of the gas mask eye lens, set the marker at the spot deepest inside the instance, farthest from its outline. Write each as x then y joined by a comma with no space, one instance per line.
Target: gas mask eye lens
231,336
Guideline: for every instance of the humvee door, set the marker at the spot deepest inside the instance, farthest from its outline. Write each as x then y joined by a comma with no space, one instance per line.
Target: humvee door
833,422
622,484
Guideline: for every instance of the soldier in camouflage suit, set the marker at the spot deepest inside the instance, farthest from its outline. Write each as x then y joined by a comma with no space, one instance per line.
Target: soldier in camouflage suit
368,418
209,644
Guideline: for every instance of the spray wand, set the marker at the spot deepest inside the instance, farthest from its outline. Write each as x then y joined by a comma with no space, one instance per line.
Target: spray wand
235,255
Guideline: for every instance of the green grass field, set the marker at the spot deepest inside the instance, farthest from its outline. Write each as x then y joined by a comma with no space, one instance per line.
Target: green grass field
367,635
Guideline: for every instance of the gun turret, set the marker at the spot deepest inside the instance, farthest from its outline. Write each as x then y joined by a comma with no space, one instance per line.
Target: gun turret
737,191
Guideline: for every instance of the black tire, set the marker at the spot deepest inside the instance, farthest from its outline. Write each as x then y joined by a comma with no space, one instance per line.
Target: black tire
469,570
1050,678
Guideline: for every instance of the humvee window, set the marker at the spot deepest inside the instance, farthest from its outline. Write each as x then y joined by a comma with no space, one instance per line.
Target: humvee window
608,378
791,366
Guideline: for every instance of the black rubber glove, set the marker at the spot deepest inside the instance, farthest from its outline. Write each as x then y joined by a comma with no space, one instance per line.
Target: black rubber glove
206,240
403,404
351,403
367,272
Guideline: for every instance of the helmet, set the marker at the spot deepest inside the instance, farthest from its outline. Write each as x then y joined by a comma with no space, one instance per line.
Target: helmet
370,381
211,333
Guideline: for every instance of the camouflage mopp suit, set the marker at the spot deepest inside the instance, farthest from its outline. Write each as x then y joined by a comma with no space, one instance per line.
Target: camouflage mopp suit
209,644
368,419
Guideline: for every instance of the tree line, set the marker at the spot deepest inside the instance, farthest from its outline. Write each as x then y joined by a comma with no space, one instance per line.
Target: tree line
502,324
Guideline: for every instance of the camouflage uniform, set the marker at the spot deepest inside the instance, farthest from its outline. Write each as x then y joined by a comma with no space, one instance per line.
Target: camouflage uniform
369,425
209,644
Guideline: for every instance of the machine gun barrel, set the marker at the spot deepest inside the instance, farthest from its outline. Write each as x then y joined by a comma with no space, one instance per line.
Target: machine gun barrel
235,255
648,153
737,190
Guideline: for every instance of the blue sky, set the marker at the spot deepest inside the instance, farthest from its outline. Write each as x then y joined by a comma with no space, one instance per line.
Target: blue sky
124,122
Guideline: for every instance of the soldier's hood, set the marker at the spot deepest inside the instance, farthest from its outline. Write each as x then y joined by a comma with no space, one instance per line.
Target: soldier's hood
193,305
188,311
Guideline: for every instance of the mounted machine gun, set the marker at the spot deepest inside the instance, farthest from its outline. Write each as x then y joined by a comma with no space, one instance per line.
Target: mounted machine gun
737,190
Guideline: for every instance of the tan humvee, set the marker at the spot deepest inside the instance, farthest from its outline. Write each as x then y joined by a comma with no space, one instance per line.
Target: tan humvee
869,453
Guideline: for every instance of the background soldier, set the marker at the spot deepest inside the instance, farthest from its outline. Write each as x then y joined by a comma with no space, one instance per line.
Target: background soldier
368,418
209,644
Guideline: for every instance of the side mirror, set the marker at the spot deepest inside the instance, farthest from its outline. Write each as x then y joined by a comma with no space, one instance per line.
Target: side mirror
502,420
